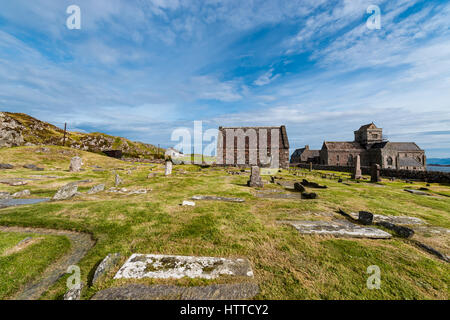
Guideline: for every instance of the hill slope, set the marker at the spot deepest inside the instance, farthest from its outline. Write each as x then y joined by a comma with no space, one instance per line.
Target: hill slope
18,129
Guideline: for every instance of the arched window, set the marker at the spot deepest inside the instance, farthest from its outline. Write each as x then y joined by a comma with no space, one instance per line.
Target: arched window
390,162
419,160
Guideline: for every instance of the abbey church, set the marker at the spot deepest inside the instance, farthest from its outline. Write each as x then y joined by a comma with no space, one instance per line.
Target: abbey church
372,149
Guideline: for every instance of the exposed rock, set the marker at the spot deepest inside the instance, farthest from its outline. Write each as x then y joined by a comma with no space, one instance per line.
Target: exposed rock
255,178
106,265
298,187
338,228
13,183
238,291
66,192
96,189
74,293
21,194
75,164
6,166
188,203
33,167
140,266
10,132
5,195
215,198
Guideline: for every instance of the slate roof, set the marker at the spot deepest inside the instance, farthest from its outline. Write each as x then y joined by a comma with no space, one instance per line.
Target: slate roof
398,146
366,126
409,162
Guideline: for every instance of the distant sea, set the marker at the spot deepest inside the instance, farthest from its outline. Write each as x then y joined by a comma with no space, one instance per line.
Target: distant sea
441,169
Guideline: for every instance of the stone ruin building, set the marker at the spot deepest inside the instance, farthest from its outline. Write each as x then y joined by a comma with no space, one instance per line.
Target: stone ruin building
266,147
372,148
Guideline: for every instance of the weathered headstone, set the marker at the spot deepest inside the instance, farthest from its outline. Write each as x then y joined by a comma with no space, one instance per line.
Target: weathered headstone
310,166
66,192
357,174
169,167
75,164
117,180
106,265
96,189
255,178
365,217
375,173
298,187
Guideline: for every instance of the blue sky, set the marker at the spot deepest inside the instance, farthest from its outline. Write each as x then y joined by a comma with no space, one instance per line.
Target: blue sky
143,68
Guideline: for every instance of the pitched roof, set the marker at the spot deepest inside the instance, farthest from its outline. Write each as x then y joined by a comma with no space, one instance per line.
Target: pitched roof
398,146
367,126
346,145
409,162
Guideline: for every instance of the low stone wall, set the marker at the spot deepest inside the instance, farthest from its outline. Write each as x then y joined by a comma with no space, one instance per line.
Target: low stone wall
428,176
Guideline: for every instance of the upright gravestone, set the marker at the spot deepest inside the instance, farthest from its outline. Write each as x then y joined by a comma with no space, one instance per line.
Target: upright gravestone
310,166
375,173
169,166
357,174
75,164
255,178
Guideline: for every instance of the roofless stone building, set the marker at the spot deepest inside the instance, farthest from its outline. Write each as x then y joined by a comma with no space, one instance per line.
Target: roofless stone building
266,147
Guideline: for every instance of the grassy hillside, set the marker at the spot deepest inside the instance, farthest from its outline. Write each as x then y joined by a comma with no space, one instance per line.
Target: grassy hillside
30,131
287,265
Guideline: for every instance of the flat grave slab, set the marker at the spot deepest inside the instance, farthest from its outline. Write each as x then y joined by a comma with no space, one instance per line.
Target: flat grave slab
238,291
400,220
215,198
156,266
338,229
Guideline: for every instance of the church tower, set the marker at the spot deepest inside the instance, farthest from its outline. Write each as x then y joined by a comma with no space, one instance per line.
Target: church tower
369,134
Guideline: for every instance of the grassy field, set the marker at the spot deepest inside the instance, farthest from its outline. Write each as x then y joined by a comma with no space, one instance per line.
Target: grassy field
287,265
21,263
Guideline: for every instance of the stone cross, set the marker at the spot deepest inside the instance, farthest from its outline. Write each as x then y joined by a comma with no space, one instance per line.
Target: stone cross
255,178
75,164
357,174
169,166
375,173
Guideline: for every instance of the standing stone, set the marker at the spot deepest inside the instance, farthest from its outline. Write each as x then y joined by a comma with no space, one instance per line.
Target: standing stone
117,180
75,164
357,174
375,173
255,178
310,166
169,166
365,217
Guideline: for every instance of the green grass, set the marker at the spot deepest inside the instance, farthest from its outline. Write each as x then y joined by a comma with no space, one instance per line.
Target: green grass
19,268
286,264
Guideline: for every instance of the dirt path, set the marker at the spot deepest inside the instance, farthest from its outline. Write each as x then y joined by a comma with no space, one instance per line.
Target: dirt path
81,244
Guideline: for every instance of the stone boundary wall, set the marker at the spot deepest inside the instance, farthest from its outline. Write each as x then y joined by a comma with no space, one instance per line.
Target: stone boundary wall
428,176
